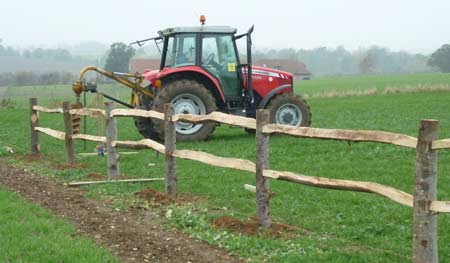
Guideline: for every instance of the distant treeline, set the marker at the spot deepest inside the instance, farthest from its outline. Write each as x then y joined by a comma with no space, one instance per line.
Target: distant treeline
40,60
45,66
339,61
27,78
42,66
37,53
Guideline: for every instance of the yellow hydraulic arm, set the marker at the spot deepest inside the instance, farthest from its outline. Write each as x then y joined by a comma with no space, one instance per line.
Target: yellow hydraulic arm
123,78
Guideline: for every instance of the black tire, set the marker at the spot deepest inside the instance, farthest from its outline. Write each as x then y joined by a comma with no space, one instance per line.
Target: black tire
289,109
145,126
186,96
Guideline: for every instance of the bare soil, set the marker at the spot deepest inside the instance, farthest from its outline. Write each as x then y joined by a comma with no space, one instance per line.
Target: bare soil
67,166
96,176
251,227
163,199
155,196
136,235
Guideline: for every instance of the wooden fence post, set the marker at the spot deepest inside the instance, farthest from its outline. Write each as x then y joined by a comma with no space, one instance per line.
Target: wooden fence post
34,122
111,135
100,118
68,129
425,248
170,137
262,163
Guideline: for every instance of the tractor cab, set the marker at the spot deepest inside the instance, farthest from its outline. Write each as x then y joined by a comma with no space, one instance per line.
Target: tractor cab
211,48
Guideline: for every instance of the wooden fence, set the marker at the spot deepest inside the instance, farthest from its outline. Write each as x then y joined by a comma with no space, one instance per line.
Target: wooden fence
423,201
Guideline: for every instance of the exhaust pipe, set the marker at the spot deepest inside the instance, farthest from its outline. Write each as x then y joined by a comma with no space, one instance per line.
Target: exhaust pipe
249,66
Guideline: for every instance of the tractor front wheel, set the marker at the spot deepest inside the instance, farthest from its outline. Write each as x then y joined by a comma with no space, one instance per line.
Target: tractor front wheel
186,97
289,109
145,126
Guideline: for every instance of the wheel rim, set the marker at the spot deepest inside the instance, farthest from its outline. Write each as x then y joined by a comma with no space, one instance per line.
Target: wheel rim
289,114
188,104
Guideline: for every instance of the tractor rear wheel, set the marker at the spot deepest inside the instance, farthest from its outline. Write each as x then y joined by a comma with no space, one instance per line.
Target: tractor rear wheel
289,109
186,97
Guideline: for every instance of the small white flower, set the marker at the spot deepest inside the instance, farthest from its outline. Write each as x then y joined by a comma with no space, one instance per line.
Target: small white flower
169,213
9,149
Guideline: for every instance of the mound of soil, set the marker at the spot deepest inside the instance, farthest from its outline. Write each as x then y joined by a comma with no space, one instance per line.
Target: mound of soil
251,227
28,157
155,196
67,166
97,176
163,199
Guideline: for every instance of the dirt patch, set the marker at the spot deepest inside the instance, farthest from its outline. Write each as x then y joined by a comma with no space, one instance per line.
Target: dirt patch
155,196
251,227
28,157
67,166
161,198
96,176
136,235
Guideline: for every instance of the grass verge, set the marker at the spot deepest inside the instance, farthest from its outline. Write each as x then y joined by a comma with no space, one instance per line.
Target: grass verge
29,233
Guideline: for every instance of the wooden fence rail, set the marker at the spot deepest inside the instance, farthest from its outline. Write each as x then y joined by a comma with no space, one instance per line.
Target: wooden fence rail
88,112
213,116
424,203
44,109
347,135
348,185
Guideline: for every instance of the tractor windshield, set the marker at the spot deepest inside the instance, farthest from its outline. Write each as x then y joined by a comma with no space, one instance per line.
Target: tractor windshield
181,50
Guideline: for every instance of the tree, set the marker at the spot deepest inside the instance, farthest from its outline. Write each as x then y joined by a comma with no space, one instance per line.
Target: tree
6,51
119,56
368,64
441,58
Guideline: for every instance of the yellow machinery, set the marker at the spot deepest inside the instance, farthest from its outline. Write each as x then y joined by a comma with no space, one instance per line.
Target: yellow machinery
123,78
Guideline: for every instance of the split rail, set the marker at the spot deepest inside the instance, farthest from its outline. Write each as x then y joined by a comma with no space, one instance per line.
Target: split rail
423,201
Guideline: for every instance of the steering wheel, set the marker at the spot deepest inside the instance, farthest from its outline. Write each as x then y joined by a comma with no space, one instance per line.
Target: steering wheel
209,58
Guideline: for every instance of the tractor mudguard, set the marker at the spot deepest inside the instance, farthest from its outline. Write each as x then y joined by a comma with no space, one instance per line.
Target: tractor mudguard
152,76
271,94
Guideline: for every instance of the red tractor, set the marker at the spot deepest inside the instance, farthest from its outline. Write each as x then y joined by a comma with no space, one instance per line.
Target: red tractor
201,72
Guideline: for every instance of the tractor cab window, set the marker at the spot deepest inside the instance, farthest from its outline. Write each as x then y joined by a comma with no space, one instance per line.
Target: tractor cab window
210,52
181,51
219,58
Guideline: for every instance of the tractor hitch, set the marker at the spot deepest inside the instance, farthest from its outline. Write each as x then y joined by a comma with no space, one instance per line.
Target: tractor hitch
117,100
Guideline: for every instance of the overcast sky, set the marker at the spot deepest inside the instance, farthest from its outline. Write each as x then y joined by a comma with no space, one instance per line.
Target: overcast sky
412,25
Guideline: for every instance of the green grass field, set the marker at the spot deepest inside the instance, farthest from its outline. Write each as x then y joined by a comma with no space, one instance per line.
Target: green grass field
377,84
317,87
334,226
29,233
53,95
